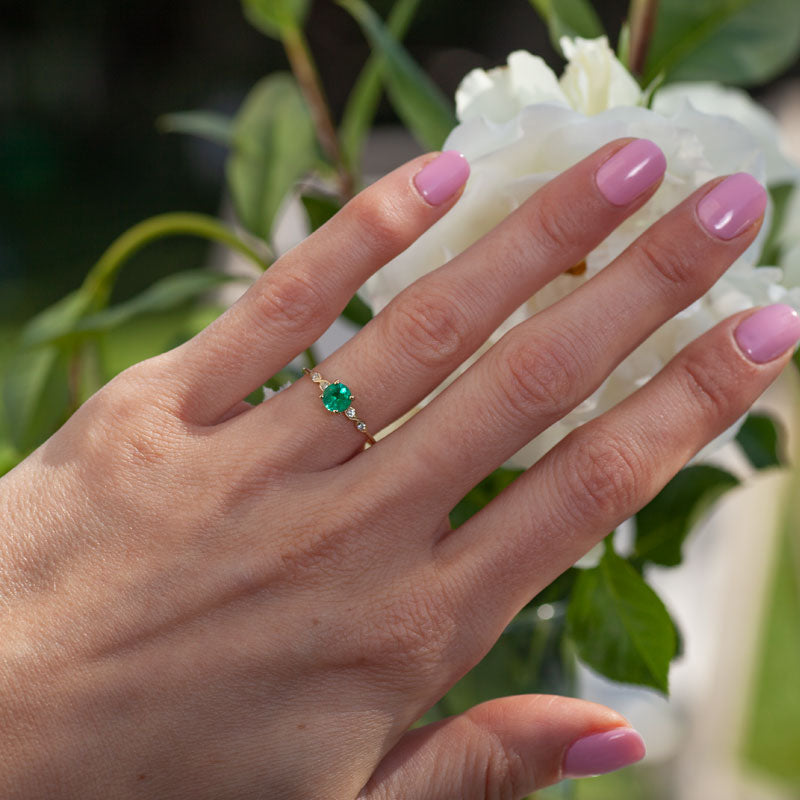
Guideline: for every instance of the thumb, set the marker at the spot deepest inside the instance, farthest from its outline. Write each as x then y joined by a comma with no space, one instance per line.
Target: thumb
505,748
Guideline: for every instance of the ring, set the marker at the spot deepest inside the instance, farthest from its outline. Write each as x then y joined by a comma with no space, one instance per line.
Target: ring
336,398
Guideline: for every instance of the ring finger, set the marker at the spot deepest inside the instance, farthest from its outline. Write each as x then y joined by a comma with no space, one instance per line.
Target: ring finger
443,318
545,366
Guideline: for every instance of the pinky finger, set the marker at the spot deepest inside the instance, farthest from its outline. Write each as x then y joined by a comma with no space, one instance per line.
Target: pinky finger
606,470
505,748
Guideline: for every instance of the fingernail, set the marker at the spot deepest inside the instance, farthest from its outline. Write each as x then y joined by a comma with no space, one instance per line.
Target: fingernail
443,177
603,752
630,171
732,206
768,332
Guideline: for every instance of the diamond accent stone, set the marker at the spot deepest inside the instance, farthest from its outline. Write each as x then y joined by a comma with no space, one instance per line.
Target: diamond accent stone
350,413
316,377
336,397
361,426
324,384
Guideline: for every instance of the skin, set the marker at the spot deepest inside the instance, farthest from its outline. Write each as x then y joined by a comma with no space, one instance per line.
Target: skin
206,600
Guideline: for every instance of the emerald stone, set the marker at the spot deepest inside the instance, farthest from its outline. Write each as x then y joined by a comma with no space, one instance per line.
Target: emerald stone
336,397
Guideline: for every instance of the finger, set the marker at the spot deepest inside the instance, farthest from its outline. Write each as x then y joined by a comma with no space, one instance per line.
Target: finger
438,322
506,748
300,295
545,366
605,471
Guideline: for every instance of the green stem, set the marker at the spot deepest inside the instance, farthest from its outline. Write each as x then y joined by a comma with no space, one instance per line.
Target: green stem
642,17
100,280
307,76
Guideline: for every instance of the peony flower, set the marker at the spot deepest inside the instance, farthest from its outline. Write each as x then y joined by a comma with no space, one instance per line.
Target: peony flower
520,126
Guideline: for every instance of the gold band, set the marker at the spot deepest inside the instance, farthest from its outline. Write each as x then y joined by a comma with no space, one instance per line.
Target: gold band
337,401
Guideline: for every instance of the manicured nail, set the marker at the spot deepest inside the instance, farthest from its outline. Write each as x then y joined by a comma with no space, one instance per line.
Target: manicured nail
732,206
443,177
768,332
630,171
603,752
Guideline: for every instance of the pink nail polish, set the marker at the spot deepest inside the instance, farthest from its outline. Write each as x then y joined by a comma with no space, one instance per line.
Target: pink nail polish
732,206
603,752
768,332
440,179
630,171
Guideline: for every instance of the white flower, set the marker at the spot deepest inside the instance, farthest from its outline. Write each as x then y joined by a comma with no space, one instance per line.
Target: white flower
520,127
593,81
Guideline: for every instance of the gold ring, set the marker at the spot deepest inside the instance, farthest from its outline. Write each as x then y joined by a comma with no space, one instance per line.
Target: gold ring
337,398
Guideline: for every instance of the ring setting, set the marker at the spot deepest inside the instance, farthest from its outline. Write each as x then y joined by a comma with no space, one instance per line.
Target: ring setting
337,398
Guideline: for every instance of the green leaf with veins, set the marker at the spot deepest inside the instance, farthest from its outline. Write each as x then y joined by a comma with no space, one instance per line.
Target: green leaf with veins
274,145
741,42
619,625
422,106
569,18
665,522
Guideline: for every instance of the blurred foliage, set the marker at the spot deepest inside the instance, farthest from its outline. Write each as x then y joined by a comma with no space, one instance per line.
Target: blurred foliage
772,740
283,138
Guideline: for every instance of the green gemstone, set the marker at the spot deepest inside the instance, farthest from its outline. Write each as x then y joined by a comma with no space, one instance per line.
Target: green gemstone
336,397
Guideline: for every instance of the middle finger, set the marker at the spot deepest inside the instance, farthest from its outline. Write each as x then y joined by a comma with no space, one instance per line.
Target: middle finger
443,318
545,366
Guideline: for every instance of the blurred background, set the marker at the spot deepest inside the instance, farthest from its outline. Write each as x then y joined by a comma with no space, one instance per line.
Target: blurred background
81,160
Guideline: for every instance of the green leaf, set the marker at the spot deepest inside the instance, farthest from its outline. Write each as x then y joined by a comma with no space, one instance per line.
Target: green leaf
780,194
741,42
421,105
165,295
620,626
569,18
664,523
529,657
319,208
9,458
364,98
274,145
357,311
276,17
208,125
758,438
559,590
56,320
36,395
482,494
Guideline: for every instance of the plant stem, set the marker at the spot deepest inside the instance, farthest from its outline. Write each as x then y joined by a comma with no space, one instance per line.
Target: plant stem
642,18
100,280
305,71
310,357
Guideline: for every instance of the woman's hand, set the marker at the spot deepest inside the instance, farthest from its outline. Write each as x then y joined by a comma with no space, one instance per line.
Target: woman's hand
202,599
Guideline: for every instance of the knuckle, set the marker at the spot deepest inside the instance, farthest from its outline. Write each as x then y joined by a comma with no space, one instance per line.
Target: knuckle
540,374
605,476
427,326
670,262
553,229
706,388
379,223
501,771
290,299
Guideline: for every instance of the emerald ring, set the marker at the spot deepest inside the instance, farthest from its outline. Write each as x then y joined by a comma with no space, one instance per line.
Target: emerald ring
337,398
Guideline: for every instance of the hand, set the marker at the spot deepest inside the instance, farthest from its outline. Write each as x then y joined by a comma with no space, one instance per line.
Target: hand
207,600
